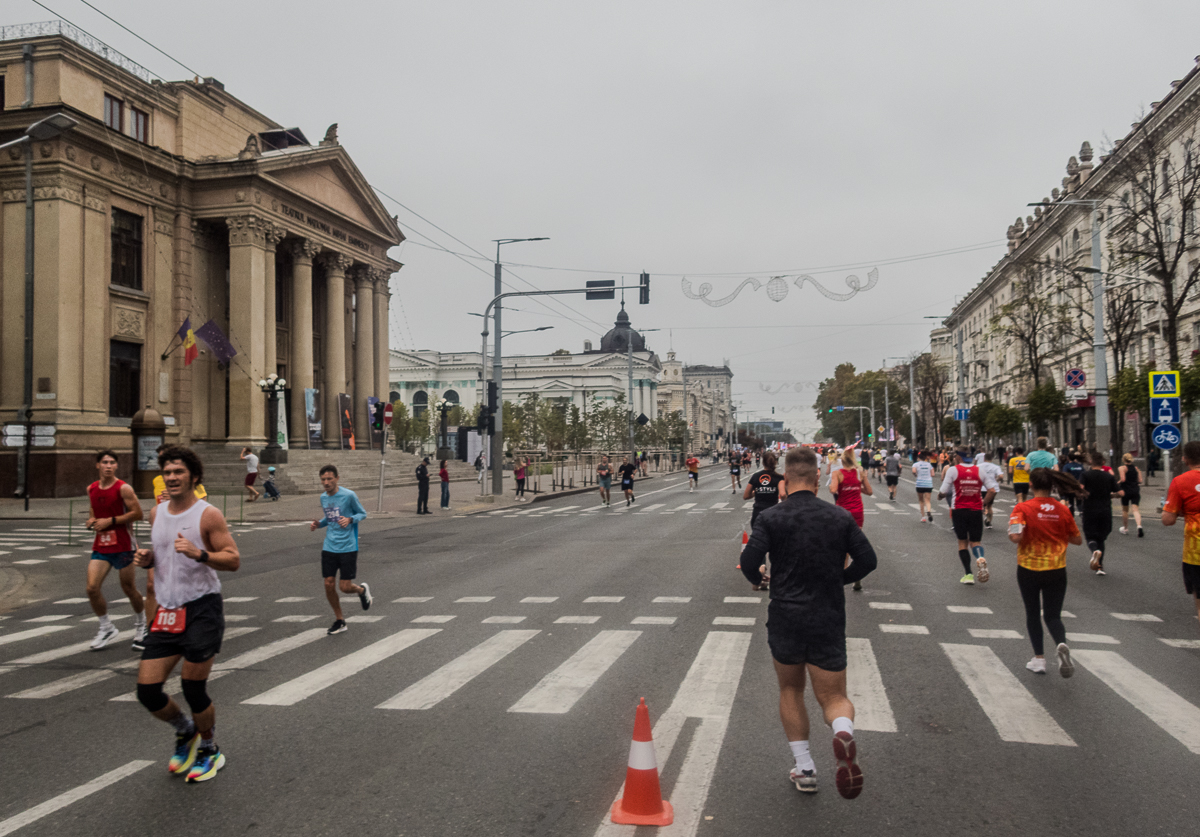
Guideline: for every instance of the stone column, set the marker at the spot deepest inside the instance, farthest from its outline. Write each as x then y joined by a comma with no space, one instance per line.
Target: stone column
247,404
382,334
364,351
300,357
274,235
333,344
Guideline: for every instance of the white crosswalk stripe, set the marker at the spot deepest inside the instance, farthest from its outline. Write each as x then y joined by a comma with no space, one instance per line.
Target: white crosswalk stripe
560,689
1176,717
864,687
433,689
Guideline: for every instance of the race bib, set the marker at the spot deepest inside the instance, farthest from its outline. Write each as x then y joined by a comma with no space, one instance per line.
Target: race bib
107,538
333,514
170,621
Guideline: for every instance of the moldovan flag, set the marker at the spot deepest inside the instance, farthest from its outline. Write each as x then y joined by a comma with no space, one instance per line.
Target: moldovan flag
190,349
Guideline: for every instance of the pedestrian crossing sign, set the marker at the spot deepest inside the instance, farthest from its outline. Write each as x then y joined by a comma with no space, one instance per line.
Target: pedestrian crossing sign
1164,384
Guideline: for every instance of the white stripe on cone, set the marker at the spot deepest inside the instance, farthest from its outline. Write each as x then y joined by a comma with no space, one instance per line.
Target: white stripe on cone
641,756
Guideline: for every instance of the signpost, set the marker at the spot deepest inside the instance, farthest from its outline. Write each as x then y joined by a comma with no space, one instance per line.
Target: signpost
387,426
1165,412
1075,379
1165,437
962,415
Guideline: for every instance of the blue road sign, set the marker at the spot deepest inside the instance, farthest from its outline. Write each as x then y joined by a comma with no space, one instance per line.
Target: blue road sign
962,415
1166,437
841,408
1076,379
1164,410
1164,384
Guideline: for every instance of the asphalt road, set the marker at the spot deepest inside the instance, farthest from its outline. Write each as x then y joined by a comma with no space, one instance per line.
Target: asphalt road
493,689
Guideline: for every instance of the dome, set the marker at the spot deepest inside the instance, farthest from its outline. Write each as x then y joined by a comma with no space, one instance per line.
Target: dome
617,339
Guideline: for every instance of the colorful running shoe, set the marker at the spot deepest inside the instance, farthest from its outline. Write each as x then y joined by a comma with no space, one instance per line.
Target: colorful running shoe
849,778
967,579
804,780
184,756
208,762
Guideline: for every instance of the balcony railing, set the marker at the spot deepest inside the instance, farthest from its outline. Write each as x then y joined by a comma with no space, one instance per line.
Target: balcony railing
22,31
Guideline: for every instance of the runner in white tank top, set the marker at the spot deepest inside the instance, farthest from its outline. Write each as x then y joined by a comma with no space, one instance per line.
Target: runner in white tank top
190,544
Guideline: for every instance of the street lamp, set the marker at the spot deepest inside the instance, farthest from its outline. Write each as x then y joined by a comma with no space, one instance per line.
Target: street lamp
272,385
498,372
912,397
443,407
528,330
44,129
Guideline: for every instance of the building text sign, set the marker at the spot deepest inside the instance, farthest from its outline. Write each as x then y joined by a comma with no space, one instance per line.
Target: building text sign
318,224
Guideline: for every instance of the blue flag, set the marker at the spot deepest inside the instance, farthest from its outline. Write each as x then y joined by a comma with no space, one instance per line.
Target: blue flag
216,341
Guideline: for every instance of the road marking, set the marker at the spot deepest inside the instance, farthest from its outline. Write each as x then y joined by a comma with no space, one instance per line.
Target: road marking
1066,614
576,620
864,687
54,617
707,693
916,506
968,609
60,653
651,508
719,505
32,632
31,560
307,685
362,617
474,599
438,619
904,629
880,504
735,621
1181,643
411,599
890,606
1135,617
72,796
994,633
293,599
539,599
1176,717
112,617
1013,711
684,507
235,599
431,690
296,618
653,620
671,599
602,599
1099,639
559,690
743,600
503,620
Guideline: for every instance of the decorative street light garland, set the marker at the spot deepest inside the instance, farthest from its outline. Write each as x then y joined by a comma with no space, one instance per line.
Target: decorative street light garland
777,288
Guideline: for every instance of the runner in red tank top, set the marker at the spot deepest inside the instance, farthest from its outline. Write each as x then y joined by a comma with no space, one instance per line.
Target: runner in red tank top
847,486
114,508
965,485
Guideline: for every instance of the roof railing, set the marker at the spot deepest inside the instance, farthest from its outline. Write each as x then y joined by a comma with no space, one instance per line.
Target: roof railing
21,31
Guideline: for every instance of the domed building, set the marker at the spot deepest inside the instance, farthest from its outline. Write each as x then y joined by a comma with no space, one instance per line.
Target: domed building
617,340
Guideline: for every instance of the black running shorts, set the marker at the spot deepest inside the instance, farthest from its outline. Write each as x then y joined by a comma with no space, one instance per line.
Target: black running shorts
1020,488
794,642
346,562
968,524
1191,579
1134,498
200,639
921,490
892,480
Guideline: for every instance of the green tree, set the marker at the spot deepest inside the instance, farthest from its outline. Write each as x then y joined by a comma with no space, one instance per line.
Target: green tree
1046,404
950,428
1003,421
402,425
979,415
577,430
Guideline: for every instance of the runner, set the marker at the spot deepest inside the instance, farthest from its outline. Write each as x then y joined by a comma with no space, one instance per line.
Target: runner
1073,468
341,513
693,466
159,487
847,487
1018,472
877,465
190,544
1100,484
1043,457
923,471
1042,527
808,541
892,469
991,469
114,506
966,512
251,473
604,478
735,473
1183,497
1130,479
768,487
627,471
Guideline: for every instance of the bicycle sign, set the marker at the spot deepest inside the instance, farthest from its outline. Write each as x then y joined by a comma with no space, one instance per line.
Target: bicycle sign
1165,437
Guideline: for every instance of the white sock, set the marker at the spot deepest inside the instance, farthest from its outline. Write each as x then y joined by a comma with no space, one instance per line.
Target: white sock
105,621
843,724
139,618
804,760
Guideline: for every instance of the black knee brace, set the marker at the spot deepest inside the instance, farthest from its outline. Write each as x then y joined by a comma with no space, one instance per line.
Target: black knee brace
195,693
151,696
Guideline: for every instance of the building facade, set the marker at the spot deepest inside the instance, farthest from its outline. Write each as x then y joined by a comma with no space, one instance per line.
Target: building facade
709,405
174,201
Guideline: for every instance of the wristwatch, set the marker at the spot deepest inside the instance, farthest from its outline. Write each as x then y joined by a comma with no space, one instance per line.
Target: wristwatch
203,559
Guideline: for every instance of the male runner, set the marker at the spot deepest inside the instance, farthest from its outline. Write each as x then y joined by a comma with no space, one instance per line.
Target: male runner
1042,457
808,540
159,487
627,472
735,473
341,513
190,543
923,471
990,469
877,465
1183,497
1018,472
892,473
114,507
966,512
693,466
604,477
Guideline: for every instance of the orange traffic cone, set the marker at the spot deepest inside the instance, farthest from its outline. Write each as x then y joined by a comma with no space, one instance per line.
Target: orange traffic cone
642,803
745,540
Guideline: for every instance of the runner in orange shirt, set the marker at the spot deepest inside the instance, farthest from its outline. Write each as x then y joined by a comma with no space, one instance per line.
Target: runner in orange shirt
1184,498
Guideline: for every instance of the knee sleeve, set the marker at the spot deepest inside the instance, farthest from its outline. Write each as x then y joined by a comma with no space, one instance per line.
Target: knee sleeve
151,696
196,694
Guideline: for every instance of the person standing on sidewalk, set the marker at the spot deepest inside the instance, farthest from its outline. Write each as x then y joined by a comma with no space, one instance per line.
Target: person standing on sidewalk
251,473
444,476
479,468
422,473
341,513
808,541
114,506
604,478
519,478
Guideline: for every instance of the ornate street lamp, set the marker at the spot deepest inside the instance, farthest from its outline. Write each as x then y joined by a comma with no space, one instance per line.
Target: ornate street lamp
272,385
443,407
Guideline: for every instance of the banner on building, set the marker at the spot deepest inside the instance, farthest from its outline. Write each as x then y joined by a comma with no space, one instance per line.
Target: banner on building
281,427
216,341
313,417
346,416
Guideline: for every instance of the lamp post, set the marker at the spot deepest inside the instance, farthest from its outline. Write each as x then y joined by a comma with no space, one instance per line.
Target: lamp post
443,407
272,385
44,129
498,373
912,397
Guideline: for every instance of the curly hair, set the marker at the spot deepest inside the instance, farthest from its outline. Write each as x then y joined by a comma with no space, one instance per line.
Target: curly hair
188,458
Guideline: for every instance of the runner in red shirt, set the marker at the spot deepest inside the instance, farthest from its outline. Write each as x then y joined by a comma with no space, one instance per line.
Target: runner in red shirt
693,466
965,482
114,507
848,484
1184,498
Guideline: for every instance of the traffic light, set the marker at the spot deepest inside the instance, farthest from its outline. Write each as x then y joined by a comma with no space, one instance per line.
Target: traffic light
830,410
491,397
481,422
644,290
377,416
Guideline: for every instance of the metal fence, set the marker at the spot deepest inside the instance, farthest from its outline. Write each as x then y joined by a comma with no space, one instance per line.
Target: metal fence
552,472
47,28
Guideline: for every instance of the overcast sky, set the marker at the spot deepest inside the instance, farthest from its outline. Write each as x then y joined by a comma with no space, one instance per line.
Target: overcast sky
687,138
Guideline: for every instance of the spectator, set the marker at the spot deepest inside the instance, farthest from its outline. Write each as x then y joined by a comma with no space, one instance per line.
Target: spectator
251,473
444,476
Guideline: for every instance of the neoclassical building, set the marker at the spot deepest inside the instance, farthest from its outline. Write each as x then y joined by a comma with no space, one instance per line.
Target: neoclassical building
709,404
172,201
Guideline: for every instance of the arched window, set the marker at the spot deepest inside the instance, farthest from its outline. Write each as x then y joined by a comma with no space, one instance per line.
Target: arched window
420,403
451,396
1075,240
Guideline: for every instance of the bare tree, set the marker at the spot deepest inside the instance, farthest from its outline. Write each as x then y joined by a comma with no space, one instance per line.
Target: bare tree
930,379
1030,321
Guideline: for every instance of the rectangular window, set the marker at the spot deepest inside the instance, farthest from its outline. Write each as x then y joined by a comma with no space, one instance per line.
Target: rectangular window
114,111
139,125
124,378
126,249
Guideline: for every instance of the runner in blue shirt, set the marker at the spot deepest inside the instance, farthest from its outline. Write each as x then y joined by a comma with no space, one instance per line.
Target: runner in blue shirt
341,513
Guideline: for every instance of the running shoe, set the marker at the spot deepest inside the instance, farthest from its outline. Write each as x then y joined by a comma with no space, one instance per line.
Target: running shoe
1141,534
1123,530
857,586
1101,571
804,780
139,636
365,596
104,636
186,747
967,579
208,762
849,778
987,524
982,574
338,627
1095,562
1037,665
1065,667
